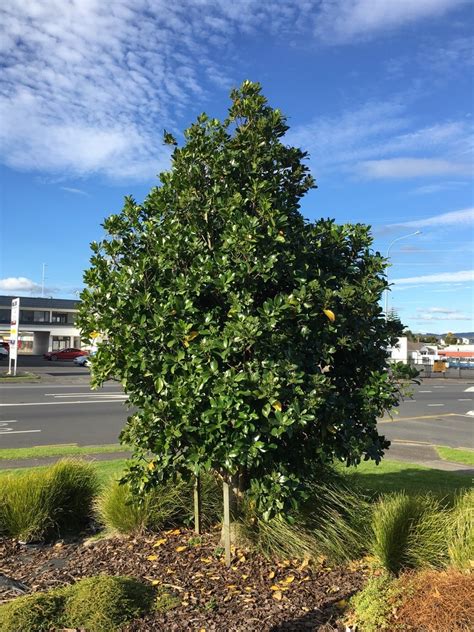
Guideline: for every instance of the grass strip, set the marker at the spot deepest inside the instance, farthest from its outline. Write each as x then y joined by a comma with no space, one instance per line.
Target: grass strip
22,377
397,476
456,455
44,451
105,469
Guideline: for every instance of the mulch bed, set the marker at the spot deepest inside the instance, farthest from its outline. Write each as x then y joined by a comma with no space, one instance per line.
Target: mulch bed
254,594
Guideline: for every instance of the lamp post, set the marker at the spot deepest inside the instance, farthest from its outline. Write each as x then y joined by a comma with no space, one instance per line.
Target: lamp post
417,232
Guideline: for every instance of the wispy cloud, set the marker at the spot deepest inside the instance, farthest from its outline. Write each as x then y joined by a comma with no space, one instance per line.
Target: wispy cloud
441,277
346,20
379,140
437,187
428,315
18,284
89,86
396,168
453,218
74,191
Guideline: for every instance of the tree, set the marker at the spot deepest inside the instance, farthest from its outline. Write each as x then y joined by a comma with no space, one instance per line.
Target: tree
251,342
450,338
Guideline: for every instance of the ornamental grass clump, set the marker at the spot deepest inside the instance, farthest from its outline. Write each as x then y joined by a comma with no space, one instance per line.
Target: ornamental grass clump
168,504
461,532
50,502
98,604
409,532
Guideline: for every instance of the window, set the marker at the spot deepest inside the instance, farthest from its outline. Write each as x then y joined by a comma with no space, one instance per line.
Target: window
63,318
59,317
30,316
5,315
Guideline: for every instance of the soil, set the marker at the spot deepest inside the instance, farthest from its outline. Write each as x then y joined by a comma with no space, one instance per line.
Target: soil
254,594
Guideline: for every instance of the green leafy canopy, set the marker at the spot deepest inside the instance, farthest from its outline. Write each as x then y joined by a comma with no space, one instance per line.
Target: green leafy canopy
210,298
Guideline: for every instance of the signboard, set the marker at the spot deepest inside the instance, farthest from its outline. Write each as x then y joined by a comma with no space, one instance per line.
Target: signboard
14,326
439,366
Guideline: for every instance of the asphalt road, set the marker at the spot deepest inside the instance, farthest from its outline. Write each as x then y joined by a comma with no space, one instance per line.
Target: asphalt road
45,414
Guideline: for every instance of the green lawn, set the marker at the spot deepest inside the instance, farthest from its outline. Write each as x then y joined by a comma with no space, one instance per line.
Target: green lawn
105,469
391,476
39,452
456,455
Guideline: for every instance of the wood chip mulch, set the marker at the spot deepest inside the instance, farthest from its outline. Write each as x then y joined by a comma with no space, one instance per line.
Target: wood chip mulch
253,595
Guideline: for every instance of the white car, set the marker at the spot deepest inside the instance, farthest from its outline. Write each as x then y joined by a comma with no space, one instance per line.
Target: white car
82,361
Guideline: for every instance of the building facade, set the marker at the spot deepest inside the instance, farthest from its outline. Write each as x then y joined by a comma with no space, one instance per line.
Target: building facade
46,324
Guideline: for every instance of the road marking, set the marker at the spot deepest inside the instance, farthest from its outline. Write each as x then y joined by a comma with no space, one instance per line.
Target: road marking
438,386
79,401
9,432
110,396
435,404
425,391
470,413
469,390
8,421
465,400
389,421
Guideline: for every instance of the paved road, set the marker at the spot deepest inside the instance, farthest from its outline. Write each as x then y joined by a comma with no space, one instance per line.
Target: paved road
44,414
438,413
32,415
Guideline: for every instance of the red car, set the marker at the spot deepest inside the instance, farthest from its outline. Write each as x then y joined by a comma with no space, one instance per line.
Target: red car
64,354
5,345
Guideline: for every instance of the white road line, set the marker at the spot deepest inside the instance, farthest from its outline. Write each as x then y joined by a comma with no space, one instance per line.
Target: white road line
465,400
98,397
425,391
438,386
9,432
79,401
8,421
435,404
469,390
470,413
85,394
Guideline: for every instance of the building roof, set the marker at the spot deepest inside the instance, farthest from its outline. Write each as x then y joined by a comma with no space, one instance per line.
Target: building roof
40,302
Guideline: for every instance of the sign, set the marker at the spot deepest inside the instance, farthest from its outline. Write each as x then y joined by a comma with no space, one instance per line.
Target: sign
14,323
439,366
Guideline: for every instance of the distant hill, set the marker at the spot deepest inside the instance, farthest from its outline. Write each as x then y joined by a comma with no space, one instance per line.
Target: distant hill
458,334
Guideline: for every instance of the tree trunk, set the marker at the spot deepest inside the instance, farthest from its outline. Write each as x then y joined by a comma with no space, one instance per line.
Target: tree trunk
197,505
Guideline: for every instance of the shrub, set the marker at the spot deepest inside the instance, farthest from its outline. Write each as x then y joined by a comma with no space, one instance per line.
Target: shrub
40,612
99,604
103,603
168,504
57,500
461,532
409,532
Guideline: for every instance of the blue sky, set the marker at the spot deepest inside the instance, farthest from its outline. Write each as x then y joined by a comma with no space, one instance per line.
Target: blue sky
378,91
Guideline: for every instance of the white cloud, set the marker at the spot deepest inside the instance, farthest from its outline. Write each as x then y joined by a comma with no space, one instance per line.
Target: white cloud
436,187
453,218
394,168
453,315
437,310
18,284
346,20
89,86
379,140
74,190
441,277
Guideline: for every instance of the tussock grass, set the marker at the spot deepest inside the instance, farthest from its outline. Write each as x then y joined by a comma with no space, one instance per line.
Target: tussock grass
461,532
410,532
169,504
334,522
53,501
101,604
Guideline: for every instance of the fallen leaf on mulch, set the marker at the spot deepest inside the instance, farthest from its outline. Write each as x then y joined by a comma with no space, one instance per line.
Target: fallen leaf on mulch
303,600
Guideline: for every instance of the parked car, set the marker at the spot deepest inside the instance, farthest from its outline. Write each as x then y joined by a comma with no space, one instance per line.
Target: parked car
5,345
3,352
82,360
64,354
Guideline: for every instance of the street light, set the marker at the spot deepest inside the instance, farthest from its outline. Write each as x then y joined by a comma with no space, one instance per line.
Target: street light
417,232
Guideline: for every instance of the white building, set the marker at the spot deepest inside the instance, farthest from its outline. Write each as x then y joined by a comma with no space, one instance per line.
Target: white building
46,324
410,352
